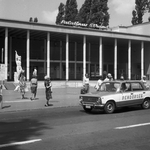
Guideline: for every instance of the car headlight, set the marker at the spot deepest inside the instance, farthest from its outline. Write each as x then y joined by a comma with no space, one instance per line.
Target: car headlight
99,101
81,98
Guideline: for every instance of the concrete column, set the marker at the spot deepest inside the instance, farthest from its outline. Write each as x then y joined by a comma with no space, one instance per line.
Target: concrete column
28,55
10,58
89,57
115,60
67,57
6,53
48,54
45,70
100,56
142,59
84,56
60,65
2,58
75,65
129,59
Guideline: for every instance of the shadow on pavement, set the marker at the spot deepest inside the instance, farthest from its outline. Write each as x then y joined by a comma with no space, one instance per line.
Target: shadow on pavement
19,131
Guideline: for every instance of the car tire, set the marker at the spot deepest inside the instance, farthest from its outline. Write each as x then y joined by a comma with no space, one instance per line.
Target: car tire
146,104
109,107
87,109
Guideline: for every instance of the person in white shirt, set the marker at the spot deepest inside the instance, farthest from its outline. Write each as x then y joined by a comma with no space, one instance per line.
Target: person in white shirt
35,72
86,83
109,77
99,82
144,81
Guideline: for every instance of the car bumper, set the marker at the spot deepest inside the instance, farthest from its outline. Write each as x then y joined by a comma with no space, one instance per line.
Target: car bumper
92,105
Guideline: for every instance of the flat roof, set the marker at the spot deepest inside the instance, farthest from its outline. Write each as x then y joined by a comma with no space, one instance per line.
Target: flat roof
42,29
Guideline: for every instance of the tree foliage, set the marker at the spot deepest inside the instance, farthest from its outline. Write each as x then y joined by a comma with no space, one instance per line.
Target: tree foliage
84,12
134,18
140,7
61,12
71,10
97,12
91,12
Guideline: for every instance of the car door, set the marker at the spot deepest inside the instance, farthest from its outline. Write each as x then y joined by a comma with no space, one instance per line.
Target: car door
138,93
127,93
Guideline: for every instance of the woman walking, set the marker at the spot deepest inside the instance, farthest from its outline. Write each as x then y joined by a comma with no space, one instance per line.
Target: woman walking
48,90
33,86
22,84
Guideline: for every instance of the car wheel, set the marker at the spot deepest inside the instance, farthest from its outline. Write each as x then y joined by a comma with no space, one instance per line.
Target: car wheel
109,107
87,109
146,104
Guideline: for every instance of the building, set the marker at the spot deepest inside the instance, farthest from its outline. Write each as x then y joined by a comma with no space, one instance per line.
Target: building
68,52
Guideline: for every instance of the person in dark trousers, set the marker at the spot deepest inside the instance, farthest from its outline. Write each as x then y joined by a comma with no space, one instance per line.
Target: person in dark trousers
1,96
33,86
48,90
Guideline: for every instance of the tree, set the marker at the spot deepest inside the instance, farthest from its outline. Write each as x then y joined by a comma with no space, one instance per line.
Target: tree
84,12
134,18
61,12
140,7
30,20
35,19
99,13
71,10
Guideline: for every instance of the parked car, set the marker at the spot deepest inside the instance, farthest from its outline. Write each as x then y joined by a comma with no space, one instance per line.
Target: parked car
114,94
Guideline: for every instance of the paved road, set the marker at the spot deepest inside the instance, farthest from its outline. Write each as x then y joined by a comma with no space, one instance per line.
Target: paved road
68,128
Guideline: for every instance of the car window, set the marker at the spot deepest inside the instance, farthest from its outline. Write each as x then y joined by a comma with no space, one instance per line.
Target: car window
128,85
109,86
136,86
125,87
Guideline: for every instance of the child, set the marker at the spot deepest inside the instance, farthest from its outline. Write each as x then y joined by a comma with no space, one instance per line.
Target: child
33,86
1,97
48,90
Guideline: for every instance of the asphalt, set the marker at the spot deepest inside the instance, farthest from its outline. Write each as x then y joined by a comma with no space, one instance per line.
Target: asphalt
65,94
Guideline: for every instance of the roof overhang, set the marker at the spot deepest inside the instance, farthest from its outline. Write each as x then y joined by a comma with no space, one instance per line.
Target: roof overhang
57,29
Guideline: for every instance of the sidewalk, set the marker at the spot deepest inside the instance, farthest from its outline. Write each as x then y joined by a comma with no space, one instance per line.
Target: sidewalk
64,95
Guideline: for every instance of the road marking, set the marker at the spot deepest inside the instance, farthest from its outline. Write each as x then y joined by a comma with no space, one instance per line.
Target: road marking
20,143
17,101
132,126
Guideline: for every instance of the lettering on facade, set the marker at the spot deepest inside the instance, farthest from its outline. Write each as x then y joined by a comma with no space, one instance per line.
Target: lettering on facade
130,97
78,24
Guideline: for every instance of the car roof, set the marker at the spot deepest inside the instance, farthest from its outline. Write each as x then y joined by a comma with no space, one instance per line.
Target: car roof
122,81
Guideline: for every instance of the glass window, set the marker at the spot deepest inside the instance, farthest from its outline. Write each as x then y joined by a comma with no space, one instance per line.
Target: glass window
110,86
136,86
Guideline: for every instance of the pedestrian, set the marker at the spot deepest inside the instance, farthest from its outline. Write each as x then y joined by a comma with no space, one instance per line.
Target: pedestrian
122,77
86,84
48,90
144,81
1,96
22,84
99,82
35,72
33,87
108,77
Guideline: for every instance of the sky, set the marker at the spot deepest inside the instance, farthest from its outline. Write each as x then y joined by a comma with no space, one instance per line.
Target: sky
46,10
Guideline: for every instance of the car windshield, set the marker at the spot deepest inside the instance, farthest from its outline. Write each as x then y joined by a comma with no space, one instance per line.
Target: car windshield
110,86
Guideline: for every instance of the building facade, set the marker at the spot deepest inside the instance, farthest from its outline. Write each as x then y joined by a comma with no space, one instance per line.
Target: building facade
68,52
